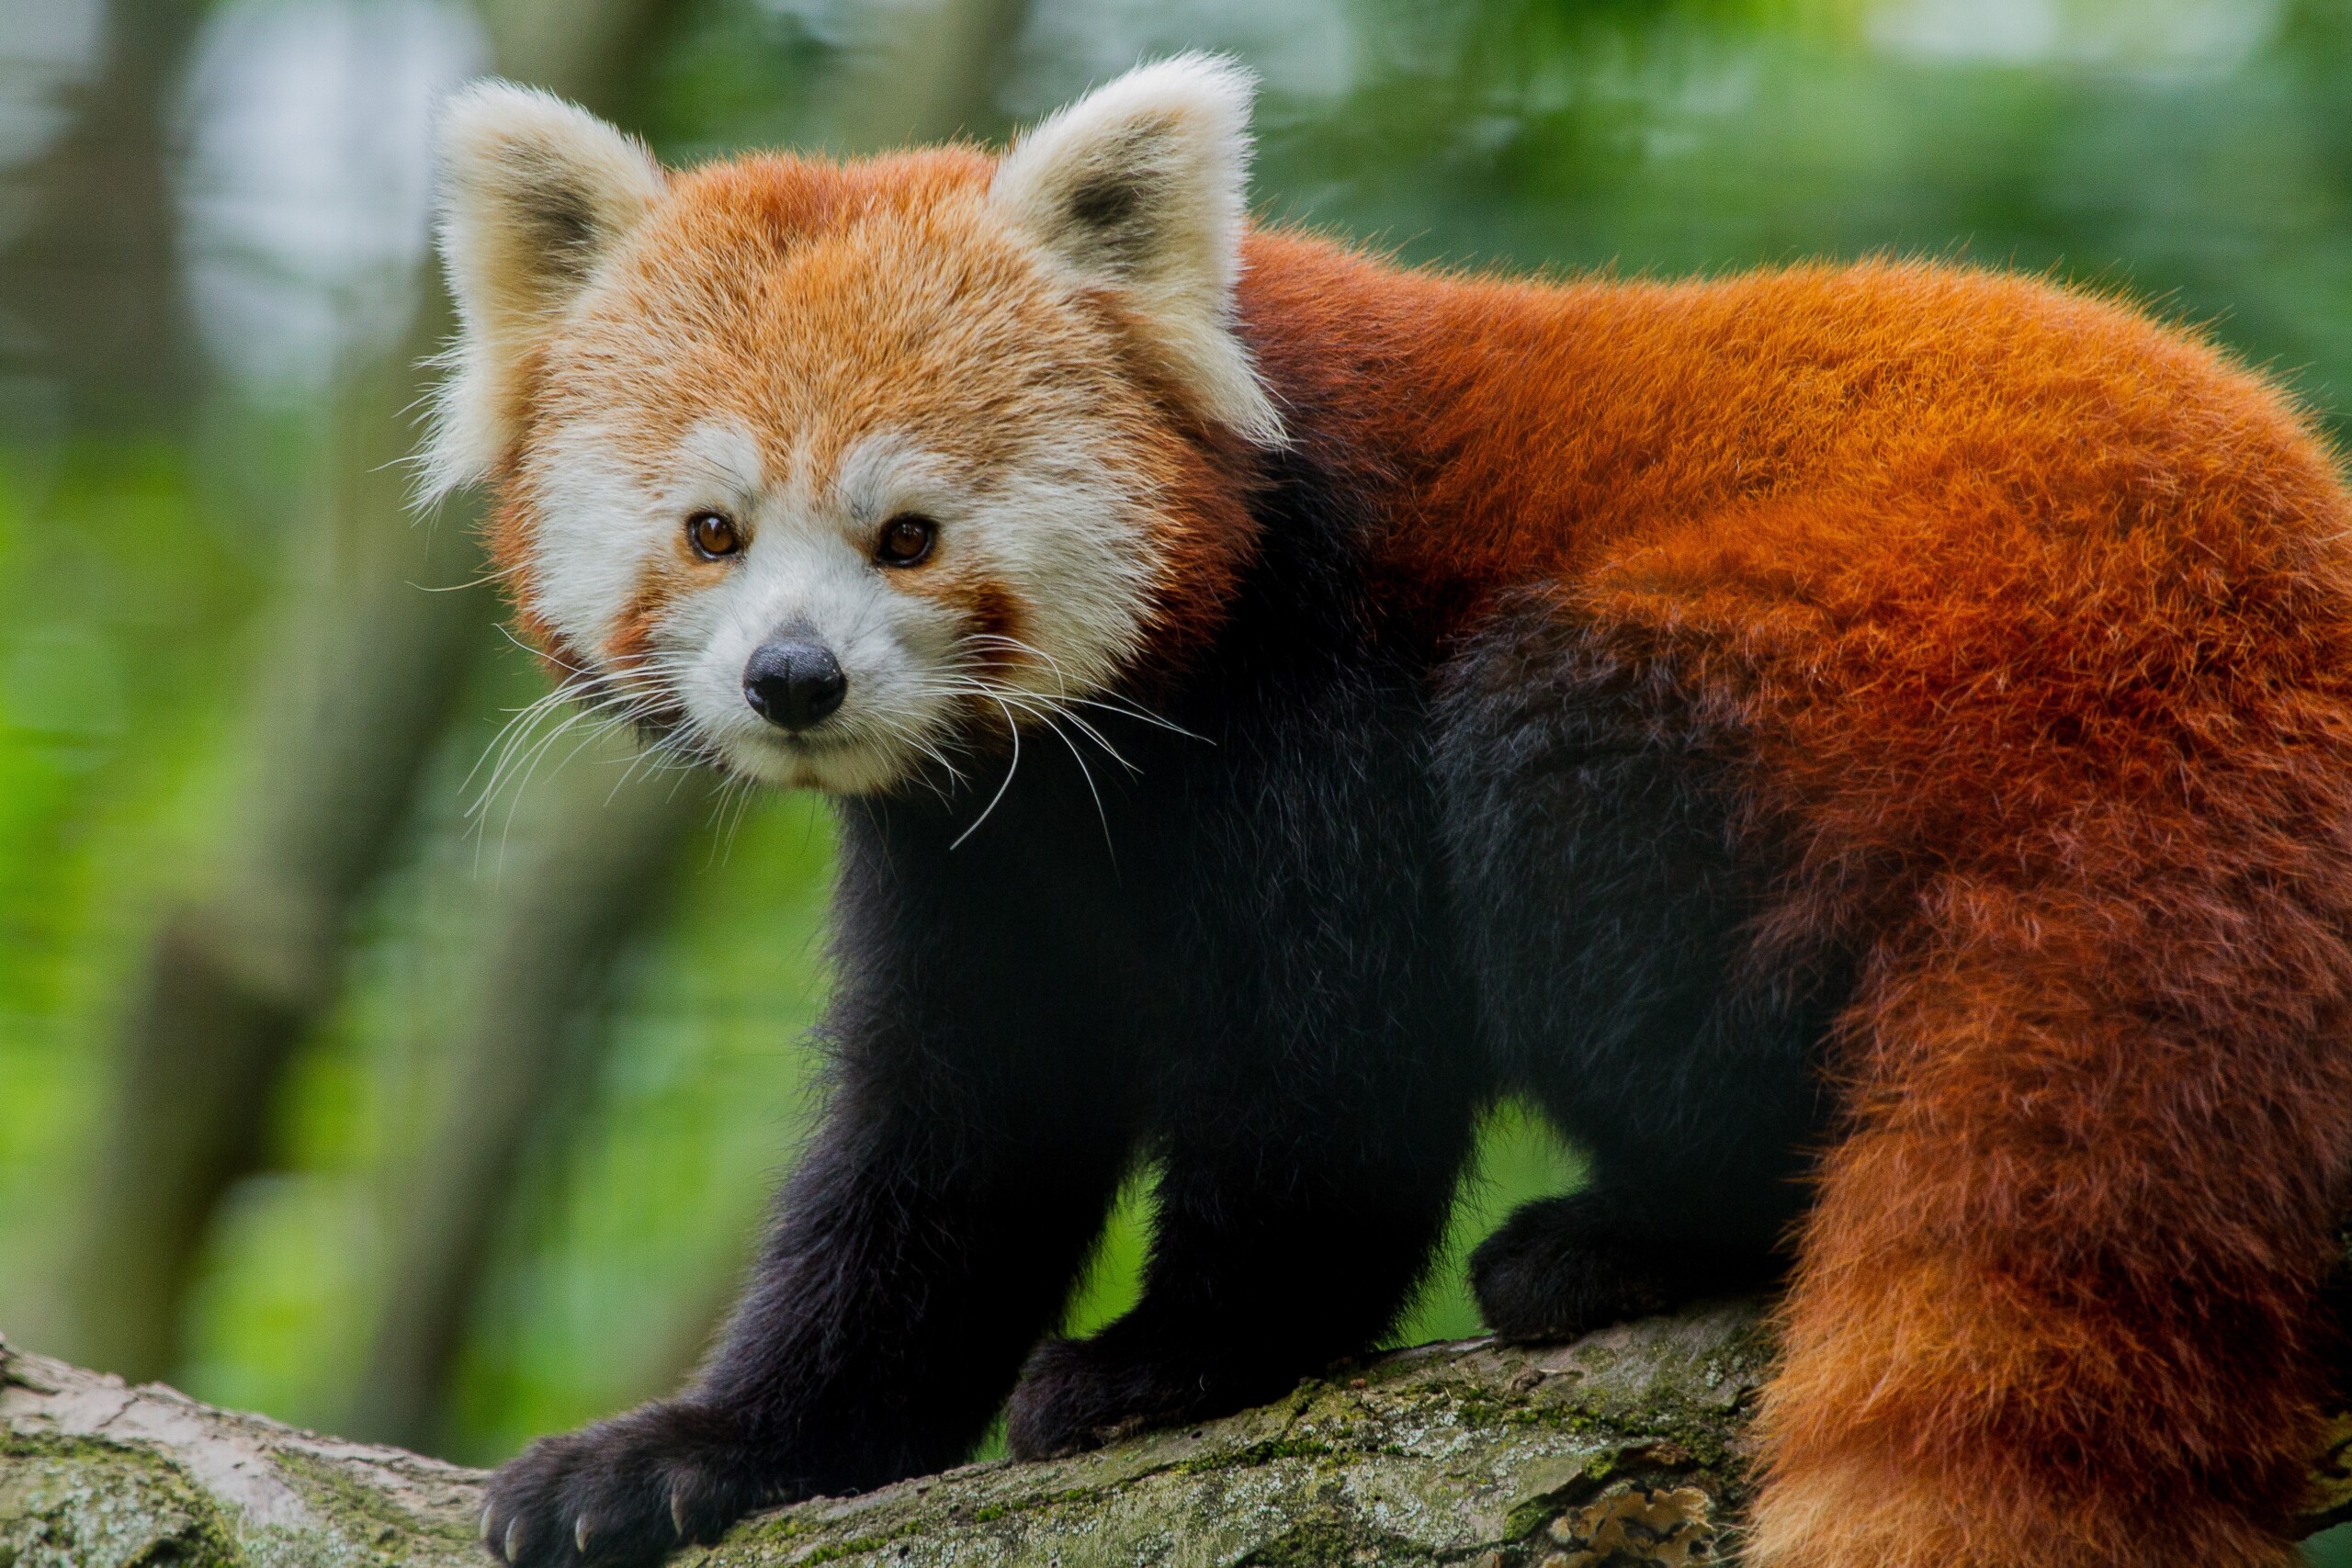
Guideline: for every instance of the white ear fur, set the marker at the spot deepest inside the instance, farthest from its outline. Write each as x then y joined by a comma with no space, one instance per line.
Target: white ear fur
532,194
1139,187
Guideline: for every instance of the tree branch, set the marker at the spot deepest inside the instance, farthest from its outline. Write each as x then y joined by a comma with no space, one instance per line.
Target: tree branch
1628,1448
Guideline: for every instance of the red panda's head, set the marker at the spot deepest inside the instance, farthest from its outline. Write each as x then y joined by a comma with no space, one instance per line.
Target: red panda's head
829,468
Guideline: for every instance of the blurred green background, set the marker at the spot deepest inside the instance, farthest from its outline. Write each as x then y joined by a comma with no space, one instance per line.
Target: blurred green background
347,1078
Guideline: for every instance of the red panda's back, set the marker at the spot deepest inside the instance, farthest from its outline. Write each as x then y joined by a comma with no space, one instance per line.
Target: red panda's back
1827,433
1952,547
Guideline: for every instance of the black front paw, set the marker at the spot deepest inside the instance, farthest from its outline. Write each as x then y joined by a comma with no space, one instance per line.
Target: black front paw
623,1492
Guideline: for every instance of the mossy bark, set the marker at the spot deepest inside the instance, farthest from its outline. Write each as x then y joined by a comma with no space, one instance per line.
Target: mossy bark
1626,1450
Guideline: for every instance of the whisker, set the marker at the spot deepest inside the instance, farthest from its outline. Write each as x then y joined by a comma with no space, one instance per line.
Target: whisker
1039,709
1109,702
1083,771
906,736
1135,711
745,799
525,739
993,799
486,577
520,719
729,809
538,752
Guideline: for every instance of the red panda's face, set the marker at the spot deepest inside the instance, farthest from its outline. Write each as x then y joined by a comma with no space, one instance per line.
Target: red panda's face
889,449
825,469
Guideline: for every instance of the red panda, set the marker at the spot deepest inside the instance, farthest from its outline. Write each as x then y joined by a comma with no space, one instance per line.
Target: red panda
1867,748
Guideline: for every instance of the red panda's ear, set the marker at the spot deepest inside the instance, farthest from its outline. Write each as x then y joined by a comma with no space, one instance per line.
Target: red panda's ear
1139,188
533,194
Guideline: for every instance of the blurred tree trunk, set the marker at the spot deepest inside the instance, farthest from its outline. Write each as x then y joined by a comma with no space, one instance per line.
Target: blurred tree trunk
356,685
587,861
354,689
934,72
91,279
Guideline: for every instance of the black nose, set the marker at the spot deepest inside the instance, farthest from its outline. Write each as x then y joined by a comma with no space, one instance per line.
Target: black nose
793,682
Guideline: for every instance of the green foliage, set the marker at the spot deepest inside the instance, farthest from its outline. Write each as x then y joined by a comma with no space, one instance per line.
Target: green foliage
122,598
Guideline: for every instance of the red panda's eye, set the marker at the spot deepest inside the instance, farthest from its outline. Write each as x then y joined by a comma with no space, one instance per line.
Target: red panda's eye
906,540
713,535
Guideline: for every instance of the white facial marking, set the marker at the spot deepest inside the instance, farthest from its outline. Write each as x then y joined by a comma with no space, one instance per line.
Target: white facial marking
598,528
718,468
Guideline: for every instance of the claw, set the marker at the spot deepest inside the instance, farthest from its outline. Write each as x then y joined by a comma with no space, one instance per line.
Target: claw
484,1536
580,1536
514,1553
678,1513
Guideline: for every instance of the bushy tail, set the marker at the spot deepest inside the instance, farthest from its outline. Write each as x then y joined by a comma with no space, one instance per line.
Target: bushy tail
2057,1303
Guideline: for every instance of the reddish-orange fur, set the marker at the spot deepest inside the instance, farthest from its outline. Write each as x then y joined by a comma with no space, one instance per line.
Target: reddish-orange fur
2038,616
